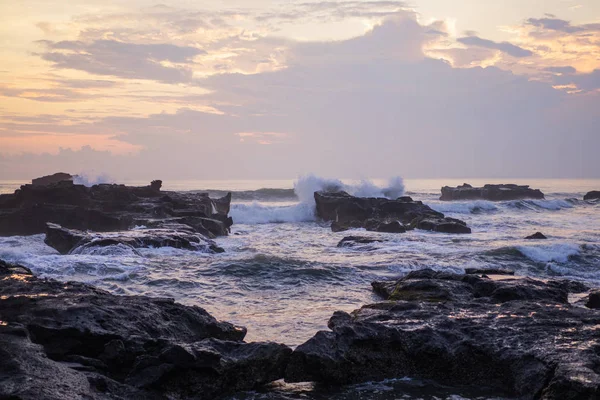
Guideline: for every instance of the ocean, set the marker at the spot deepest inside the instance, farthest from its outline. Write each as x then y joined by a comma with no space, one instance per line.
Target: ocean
282,275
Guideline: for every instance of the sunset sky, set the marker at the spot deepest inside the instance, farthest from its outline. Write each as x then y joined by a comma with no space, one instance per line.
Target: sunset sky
236,89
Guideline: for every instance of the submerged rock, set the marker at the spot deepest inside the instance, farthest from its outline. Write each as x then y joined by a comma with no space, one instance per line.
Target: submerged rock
70,340
517,336
68,241
490,192
352,241
382,215
536,236
593,195
106,207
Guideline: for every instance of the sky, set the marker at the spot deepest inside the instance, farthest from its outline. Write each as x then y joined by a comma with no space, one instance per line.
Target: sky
260,89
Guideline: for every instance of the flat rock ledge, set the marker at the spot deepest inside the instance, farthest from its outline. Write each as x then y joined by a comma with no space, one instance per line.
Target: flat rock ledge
73,341
502,192
382,215
519,337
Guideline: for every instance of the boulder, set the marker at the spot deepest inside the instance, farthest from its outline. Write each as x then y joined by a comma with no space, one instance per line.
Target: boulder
71,241
382,215
352,241
593,195
536,236
593,300
107,207
490,192
519,337
70,340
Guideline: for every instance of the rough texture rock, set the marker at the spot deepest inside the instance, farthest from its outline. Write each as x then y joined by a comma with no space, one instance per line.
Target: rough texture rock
71,241
488,271
536,236
105,208
51,179
490,192
517,336
593,195
70,340
382,215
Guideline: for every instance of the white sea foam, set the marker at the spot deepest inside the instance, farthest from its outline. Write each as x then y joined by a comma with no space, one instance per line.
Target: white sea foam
91,178
559,252
463,207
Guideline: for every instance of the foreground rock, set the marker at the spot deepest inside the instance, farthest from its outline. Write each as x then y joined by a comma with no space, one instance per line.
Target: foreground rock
517,336
382,215
105,208
71,241
593,195
490,192
72,341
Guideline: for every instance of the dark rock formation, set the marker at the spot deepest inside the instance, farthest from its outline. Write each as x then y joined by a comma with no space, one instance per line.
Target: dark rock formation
536,236
517,336
68,241
593,195
488,271
105,208
70,340
352,241
382,215
593,300
51,179
490,192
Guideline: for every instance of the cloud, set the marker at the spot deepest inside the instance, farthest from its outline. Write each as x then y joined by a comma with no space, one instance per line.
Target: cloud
561,70
555,24
125,60
505,47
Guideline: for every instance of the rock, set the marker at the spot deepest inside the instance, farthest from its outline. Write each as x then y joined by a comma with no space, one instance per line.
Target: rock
488,271
352,241
71,241
52,179
593,300
593,195
108,207
490,192
70,340
536,236
382,215
519,337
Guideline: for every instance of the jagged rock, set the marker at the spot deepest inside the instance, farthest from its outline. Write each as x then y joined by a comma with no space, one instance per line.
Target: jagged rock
51,179
536,236
593,195
490,192
68,241
382,215
519,337
70,340
107,207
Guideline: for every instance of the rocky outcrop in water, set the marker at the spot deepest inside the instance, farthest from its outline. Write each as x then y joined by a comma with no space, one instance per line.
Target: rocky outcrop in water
105,208
536,236
382,215
52,179
517,336
71,241
593,195
73,341
490,192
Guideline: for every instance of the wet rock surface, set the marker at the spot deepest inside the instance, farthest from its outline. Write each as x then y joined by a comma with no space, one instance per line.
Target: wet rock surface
107,207
519,337
71,241
382,215
70,340
490,192
593,195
